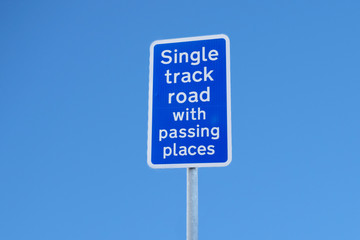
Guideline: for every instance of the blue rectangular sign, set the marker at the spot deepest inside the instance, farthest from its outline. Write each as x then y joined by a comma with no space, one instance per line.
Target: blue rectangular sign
189,121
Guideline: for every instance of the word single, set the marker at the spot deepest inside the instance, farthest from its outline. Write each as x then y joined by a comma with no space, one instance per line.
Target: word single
196,56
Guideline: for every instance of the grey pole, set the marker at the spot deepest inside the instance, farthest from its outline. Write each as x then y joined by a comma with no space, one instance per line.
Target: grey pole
192,219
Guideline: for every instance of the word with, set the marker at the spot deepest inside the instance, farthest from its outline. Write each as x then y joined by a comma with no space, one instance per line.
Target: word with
179,116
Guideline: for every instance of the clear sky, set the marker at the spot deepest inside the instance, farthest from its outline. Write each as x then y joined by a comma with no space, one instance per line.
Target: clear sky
73,121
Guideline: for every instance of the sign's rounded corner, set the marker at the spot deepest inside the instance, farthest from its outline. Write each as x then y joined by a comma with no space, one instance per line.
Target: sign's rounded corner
227,163
150,164
154,43
224,36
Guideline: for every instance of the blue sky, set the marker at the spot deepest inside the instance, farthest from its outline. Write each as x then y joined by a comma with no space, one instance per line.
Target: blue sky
73,121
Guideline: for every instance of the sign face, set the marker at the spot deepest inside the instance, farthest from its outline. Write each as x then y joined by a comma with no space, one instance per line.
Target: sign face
189,121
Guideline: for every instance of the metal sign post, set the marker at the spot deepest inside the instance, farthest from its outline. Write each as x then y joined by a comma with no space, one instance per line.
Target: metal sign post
192,216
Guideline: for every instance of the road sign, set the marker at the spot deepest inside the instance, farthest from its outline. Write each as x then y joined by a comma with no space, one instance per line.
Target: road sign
189,122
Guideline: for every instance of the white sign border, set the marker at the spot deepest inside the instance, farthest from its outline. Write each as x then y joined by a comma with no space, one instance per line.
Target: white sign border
228,102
